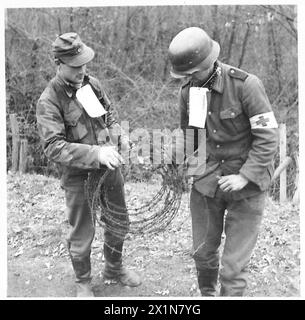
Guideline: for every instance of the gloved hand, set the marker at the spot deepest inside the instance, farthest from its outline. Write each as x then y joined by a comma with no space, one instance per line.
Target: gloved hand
109,157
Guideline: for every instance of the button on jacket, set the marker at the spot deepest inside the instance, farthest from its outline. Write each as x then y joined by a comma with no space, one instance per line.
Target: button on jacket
70,137
232,145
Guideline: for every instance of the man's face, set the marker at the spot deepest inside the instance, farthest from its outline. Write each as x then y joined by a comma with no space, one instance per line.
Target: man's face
74,75
202,75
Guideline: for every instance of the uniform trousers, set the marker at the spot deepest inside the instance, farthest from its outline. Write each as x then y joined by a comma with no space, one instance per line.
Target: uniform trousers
82,224
239,222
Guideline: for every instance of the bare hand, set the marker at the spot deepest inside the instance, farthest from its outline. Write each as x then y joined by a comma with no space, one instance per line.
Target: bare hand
109,157
232,182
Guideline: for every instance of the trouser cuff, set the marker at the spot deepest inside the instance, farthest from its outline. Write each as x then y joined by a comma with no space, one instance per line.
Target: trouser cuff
82,269
207,281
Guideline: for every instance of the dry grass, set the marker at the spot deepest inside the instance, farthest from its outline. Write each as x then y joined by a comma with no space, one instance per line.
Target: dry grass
38,264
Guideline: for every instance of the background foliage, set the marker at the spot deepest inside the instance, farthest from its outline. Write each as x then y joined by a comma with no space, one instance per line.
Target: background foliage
131,61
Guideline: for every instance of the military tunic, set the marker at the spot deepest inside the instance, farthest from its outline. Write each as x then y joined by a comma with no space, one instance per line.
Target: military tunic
71,138
233,145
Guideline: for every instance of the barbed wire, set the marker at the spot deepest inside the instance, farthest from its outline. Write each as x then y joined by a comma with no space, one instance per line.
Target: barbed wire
152,216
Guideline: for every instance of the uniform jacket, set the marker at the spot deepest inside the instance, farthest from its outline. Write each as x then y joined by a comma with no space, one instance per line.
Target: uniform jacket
70,137
234,146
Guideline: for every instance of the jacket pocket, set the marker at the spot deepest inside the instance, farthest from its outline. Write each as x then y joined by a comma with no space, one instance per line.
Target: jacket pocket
75,126
234,120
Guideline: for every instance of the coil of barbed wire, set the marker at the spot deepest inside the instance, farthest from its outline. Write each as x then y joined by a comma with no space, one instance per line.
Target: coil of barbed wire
152,216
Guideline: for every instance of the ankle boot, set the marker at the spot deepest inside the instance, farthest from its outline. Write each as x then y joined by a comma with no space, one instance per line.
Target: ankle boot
116,272
207,281
82,269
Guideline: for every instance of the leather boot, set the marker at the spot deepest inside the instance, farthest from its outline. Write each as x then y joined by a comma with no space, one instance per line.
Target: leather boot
82,269
207,281
116,272
231,292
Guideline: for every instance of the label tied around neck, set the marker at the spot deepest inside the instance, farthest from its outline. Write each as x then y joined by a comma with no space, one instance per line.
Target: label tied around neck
198,107
90,102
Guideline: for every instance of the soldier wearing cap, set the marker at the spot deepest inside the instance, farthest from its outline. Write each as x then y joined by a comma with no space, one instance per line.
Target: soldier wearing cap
75,140
241,141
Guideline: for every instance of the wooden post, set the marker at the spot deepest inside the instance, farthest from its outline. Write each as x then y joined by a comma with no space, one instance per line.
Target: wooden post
15,142
23,156
283,176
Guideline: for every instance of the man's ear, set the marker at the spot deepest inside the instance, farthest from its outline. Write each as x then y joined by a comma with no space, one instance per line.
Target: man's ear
57,61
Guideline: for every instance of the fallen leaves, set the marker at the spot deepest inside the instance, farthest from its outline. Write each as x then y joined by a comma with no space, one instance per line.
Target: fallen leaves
19,252
164,292
37,228
275,258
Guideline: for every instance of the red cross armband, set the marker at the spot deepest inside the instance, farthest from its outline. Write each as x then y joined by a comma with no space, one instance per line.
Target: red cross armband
263,121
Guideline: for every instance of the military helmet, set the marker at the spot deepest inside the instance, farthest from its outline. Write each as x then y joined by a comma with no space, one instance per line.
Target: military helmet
192,50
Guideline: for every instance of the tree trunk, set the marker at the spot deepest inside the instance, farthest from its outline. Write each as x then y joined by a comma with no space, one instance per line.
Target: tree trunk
232,36
243,50
126,39
71,19
215,34
16,142
59,26
274,54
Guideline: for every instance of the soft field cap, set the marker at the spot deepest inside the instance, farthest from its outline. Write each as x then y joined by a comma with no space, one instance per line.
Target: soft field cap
69,49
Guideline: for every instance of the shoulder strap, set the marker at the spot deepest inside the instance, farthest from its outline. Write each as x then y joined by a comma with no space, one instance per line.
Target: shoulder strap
238,74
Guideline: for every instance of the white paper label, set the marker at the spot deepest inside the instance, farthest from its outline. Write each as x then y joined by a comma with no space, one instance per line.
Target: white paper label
198,107
90,102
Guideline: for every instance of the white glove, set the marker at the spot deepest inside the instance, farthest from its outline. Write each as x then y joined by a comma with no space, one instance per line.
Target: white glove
109,157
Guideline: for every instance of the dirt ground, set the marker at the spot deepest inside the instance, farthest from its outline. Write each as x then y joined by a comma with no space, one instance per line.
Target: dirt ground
39,266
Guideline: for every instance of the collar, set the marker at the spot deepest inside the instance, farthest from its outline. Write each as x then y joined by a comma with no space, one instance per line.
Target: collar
218,84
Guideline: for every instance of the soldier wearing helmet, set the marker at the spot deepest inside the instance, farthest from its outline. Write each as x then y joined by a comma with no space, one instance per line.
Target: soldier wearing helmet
232,107
74,136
